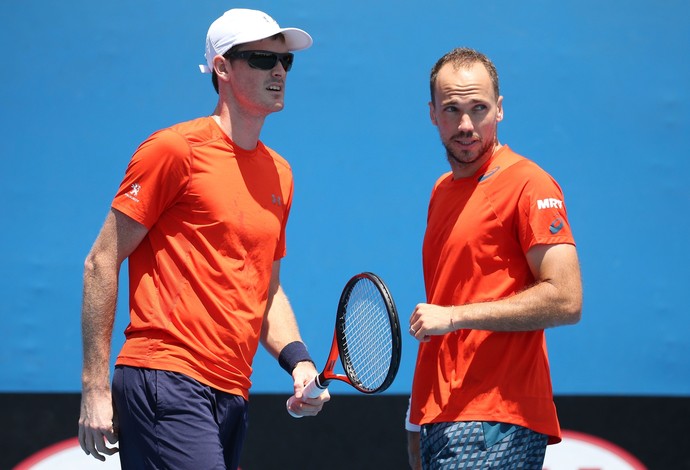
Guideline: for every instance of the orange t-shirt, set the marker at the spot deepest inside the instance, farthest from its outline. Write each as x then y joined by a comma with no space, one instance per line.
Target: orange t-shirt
478,232
198,282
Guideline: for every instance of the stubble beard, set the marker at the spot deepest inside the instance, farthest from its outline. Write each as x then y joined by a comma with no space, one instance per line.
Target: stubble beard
467,158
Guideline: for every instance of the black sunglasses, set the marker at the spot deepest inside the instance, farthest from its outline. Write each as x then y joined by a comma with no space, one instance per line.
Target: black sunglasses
263,60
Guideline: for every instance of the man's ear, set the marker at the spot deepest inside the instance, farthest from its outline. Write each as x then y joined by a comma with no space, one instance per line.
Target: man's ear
432,114
499,113
220,65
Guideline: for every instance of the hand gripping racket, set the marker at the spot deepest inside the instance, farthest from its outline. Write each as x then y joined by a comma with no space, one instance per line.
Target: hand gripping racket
366,338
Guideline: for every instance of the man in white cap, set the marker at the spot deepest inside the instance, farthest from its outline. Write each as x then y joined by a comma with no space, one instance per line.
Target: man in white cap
201,217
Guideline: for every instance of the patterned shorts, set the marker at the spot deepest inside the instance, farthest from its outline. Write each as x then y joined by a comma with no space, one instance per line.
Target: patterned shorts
481,445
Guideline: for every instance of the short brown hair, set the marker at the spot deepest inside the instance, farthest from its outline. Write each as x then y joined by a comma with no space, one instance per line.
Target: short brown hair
464,57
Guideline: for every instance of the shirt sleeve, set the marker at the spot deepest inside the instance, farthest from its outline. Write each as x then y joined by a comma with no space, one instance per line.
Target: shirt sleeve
281,247
156,176
542,214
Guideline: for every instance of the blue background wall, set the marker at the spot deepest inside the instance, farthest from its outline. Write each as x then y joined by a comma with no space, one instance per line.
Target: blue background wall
595,92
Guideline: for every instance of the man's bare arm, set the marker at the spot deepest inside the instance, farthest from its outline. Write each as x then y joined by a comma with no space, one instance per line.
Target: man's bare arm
119,236
280,329
554,299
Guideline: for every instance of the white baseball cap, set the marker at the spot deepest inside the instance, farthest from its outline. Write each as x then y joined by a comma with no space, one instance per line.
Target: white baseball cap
240,25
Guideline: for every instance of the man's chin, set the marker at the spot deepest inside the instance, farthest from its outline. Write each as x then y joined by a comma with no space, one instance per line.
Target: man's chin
274,108
462,158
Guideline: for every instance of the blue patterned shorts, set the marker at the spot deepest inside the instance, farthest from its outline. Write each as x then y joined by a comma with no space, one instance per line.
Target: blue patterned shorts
481,445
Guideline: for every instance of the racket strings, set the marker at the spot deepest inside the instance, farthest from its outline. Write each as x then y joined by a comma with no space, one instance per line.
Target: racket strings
368,342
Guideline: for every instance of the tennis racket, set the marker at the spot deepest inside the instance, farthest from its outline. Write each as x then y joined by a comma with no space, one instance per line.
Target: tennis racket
366,339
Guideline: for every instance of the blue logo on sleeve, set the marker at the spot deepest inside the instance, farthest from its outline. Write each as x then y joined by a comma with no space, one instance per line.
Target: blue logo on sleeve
556,225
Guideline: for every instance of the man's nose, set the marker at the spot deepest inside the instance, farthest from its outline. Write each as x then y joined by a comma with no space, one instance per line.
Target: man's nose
465,124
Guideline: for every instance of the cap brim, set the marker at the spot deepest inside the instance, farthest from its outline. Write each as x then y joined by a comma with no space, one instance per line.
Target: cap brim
296,39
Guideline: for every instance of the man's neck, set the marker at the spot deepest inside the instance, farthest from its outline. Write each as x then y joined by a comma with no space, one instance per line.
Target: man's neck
243,130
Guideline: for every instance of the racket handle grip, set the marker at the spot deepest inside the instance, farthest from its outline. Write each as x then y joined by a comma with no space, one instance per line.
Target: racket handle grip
287,406
312,390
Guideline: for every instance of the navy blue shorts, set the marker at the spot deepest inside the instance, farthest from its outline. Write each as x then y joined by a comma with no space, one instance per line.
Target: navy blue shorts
170,421
481,445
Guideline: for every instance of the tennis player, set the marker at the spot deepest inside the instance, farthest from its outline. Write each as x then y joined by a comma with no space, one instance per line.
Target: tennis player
500,266
201,216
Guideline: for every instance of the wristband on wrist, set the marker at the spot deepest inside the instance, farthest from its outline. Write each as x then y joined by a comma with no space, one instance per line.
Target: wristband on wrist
292,354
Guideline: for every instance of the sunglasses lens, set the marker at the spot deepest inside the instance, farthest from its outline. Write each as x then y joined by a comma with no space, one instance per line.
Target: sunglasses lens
267,60
286,60
262,61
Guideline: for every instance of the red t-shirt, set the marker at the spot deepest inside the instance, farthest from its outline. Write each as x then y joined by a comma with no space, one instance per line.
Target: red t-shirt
199,280
478,232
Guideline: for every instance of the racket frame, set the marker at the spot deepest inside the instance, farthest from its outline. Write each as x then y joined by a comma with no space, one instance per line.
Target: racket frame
338,345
